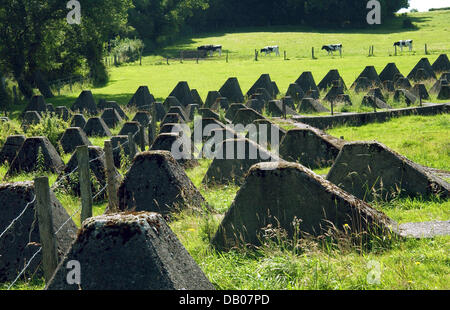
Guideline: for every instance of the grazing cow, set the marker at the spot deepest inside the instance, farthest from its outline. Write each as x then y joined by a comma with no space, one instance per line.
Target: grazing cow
211,49
404,43
333,48
270,49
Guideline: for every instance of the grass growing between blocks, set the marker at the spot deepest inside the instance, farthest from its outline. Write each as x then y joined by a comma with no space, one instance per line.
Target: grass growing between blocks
316,264
422,139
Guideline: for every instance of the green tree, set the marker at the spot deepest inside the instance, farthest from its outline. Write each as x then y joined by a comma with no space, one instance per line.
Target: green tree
5,98
36,40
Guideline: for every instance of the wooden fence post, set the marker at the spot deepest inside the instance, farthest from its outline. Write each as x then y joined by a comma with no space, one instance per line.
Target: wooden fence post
312,53
142,138
113,200
152,125
332,112
256,55
426,49
167,60
85,182
46,231
227,56
285,56
132,146
374,104
395,46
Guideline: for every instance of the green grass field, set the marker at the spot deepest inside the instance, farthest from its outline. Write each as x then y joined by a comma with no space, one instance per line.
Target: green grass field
432,29
307,264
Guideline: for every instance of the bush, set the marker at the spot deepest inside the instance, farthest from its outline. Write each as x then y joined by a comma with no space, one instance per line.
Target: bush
8,129
51,127
126,50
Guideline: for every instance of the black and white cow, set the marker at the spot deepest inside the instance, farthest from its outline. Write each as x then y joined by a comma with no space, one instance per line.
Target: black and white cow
404,43
333,48
211,49
271,49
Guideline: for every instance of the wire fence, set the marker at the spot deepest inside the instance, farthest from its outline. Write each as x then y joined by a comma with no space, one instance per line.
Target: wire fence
55,185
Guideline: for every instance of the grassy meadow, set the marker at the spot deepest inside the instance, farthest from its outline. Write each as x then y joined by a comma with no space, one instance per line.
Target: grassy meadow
305,263
432,28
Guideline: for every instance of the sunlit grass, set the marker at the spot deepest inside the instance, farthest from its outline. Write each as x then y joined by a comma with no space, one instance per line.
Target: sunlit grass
422,139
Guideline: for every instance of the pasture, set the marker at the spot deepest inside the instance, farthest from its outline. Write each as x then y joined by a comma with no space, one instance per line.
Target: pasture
283,263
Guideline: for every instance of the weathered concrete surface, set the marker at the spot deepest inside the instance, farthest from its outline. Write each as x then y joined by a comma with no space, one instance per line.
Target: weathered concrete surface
425,229
27,157
370,169
178,146
72,138
306,82
423,63
85,103
406,95
142,98
277,193
310,146
30,118
310,105
10,148
63,113
196,97
263,81
103,105
130,251
133,128
246,116
78,120
328,80
37,103
156,182
22,240
275,108
295,91
96,127
143,118
232,160
370,102
267,134
183,93
389,72
111,117
441,64
371,74
359,119
232,110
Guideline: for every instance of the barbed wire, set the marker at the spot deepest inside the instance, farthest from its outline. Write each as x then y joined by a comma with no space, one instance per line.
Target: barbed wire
65,222
18,217
57,231
60,179
24,269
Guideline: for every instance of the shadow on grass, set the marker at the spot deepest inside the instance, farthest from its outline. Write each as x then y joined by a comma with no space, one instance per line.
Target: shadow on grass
394,25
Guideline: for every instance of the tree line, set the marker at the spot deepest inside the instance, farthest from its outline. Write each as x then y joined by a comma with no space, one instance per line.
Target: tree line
37,44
